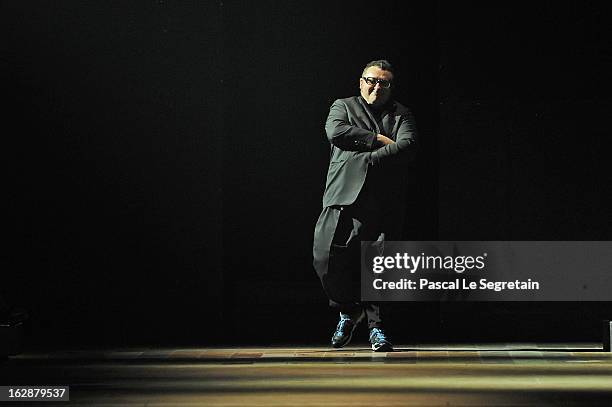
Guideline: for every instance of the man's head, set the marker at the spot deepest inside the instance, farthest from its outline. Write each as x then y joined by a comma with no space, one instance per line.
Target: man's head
376,81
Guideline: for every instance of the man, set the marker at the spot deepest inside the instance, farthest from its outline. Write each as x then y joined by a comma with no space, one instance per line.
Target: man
373,138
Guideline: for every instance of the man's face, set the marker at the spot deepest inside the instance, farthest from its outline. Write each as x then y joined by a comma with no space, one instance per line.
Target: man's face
376,95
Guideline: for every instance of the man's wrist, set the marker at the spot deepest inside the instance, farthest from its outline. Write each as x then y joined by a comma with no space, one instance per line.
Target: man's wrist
374,144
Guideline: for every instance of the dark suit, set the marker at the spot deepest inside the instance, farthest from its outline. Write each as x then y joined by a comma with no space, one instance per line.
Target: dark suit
364,194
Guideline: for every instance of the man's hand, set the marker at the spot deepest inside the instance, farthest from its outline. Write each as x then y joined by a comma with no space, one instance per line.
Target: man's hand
384,139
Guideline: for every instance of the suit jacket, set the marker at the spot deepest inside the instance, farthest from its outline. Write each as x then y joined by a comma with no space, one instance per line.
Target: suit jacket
351,129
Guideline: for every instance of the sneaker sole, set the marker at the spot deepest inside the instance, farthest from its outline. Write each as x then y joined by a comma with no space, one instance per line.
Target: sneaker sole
385,347
338,345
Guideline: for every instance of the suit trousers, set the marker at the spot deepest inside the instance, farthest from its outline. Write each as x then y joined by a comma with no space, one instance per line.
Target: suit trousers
337,251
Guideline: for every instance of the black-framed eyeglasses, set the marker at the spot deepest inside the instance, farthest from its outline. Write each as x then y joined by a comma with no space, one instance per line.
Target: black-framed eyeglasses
373,81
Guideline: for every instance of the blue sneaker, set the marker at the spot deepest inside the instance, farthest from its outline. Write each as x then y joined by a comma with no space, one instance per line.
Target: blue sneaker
379,341
344,331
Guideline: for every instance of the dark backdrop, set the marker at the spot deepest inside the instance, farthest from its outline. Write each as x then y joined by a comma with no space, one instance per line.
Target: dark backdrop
165,162
524,96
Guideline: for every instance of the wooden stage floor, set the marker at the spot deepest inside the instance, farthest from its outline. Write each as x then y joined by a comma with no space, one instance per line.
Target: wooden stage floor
516,374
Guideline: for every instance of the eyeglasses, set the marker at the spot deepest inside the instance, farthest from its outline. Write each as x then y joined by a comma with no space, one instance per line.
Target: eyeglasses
373,81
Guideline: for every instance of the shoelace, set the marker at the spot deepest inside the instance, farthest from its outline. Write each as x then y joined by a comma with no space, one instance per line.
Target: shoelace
378,334
341,324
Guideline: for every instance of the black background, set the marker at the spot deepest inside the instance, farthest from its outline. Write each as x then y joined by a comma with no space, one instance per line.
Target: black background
165,162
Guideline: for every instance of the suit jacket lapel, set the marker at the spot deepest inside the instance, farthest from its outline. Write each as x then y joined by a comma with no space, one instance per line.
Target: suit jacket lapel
366,109
389,122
